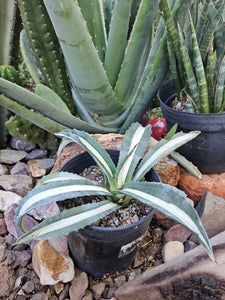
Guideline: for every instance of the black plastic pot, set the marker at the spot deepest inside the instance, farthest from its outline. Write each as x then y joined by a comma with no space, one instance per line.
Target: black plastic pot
98,250
206,151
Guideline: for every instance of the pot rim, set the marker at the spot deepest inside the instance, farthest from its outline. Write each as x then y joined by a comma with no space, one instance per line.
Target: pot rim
171,96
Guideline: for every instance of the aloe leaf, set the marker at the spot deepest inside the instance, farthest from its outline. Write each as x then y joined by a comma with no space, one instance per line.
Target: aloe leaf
98,153
117,39
200,73
28,57
69,221
133,147
48,94
136,45
94,16
58,191
29,99
31,115
219,87
161,150
171,202
86,71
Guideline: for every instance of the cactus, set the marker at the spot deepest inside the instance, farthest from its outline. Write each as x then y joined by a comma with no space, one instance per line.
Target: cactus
46,48
30,133
10,73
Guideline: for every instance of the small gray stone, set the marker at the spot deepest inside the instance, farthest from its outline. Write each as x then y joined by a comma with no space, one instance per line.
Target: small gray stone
36,154
8,156
7,199
28,287
119,280
21,145
18,258
98,289
171,250
3,170
189,245
7,279
39,296
79,286
19,184
20,168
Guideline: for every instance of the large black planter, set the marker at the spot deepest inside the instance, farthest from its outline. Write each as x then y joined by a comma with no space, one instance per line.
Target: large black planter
206,151
98,250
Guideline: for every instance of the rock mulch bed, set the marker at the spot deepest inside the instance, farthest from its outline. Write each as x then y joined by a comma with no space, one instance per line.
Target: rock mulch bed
20,167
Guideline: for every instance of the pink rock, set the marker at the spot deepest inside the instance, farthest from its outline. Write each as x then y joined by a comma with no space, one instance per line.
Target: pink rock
177,233
10,221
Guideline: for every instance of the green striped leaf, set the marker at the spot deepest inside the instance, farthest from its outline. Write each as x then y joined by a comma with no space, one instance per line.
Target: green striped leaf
219,87
133,147
98,153
58,191
161,150
171,202
69,221
199,71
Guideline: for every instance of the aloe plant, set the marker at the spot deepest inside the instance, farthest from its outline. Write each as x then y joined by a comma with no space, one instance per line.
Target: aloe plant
123,182
109,64
197,56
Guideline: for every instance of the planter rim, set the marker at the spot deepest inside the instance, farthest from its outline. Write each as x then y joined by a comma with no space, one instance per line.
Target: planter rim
111,229
170,82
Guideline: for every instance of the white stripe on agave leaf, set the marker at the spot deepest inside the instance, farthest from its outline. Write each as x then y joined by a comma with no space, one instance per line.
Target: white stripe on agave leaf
59,190
163,151
136,137
67,222
124,170
97,155
177,212
59,176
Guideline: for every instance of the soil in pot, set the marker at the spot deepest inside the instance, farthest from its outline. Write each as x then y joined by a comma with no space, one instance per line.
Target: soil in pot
130,214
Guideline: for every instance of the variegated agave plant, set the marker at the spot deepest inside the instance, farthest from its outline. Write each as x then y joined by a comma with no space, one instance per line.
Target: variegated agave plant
122,183
197,55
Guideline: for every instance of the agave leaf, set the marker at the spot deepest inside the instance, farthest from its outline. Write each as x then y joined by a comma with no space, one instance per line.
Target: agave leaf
98,153
69,221
85,68
162,149
58,191
186,164
58,176
133,147
171,202
48,94
94,16
117,39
